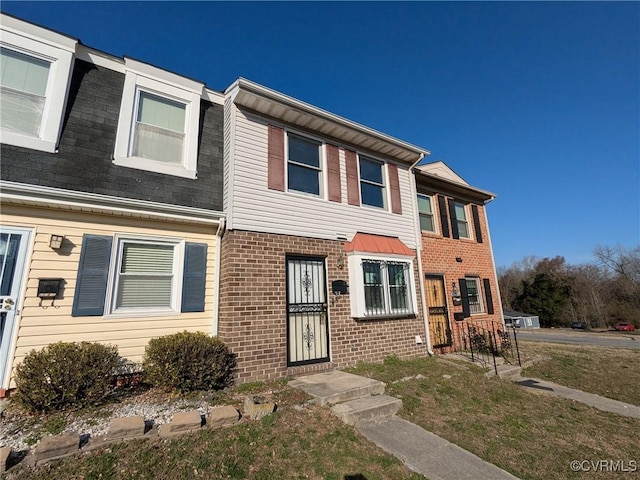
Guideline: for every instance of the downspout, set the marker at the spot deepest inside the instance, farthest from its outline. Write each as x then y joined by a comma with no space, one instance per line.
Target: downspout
216,279
418,234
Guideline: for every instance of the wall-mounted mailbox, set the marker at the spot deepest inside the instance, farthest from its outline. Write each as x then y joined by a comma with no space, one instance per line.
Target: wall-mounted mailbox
339,287
458,316
49,287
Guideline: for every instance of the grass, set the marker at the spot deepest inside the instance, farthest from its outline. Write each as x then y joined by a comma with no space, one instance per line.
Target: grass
302,442
612,373
532,435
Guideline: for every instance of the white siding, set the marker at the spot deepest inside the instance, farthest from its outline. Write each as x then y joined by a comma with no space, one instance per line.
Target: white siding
256,208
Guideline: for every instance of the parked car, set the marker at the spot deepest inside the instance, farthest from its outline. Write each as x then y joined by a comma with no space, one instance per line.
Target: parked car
625,327
579,325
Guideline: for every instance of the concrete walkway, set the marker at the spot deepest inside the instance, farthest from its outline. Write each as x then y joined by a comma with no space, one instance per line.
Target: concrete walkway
591,399
428,454
360,401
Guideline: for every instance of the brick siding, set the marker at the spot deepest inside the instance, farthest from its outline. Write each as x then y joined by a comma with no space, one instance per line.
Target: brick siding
253,315
439,258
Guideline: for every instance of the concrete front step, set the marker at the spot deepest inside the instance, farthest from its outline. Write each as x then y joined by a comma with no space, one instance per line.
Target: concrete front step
367,409
337,387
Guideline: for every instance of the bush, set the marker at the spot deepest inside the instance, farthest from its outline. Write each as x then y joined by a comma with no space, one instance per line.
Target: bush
188,361
65,374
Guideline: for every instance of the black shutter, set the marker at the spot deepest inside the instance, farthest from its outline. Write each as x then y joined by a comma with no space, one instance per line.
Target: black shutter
444,219
476,223
194,276
464,295
487,295
454,221
93,274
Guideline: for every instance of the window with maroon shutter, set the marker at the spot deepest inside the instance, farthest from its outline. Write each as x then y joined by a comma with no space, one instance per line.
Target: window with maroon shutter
333,173
394,189
353,188
275,162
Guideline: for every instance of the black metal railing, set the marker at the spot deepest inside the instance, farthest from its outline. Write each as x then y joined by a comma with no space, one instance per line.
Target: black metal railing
484,341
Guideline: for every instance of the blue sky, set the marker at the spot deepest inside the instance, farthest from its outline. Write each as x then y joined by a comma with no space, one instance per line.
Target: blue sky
538,102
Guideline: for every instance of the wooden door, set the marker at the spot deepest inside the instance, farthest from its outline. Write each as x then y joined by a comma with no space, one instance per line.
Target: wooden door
439,326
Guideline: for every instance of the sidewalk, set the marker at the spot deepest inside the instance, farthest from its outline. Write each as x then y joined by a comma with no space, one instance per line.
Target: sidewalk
426,453
360,401
591,399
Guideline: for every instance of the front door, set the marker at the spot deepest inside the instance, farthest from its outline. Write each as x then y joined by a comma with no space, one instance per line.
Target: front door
13,247
439,327
307,322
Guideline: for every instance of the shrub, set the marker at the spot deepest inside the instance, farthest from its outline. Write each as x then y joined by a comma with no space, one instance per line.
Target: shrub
188,361
65,374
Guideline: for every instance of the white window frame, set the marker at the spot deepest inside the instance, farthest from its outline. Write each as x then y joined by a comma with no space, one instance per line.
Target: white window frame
321,153
465,221
433,214
356,282
140,77
59,51
476,308
384,184
176,286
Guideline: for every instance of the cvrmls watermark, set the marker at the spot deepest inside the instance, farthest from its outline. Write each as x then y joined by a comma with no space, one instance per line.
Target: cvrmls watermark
621,466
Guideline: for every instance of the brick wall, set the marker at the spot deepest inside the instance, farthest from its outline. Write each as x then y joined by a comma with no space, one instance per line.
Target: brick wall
253,309
439,256
84,158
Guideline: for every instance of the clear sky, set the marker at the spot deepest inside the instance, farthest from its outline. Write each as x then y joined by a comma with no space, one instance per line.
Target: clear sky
538,102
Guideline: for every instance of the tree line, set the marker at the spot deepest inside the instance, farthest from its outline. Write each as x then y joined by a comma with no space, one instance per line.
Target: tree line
600,293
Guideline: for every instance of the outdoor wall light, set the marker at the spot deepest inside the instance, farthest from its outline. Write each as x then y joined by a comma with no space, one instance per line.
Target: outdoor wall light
455,295
340,262
55,241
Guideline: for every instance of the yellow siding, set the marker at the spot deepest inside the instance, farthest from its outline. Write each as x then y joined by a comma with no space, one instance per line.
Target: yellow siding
40,325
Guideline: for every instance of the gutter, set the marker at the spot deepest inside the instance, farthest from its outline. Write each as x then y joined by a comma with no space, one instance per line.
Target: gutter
416,227
216,280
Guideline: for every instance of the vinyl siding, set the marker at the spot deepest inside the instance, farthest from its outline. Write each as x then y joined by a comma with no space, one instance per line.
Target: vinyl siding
256,208
42,325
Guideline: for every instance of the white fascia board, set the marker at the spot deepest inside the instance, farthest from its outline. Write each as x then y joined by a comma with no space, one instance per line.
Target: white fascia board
213,96
248,85
99,58
35,32
163,76
107,203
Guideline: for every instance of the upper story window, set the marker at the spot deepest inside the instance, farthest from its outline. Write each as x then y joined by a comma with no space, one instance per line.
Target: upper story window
24,87
372,185
159,129
35,68
158,123
461,220
425,209
304,165
474,295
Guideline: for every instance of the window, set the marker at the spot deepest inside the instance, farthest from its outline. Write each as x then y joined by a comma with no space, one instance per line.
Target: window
23,86
372,190
145,276
139,276
159,129
427,222
386,288
461,220
35,68
475,295
158,123
304,170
